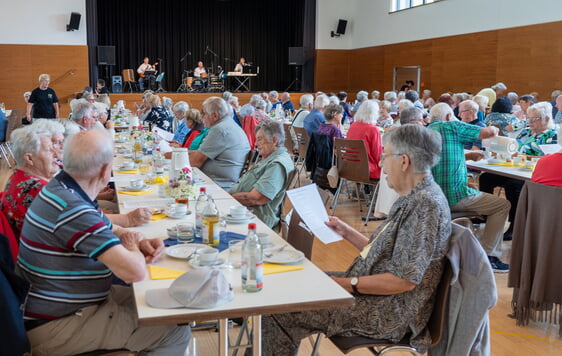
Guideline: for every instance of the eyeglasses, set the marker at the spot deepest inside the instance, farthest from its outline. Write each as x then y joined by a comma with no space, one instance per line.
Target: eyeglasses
384,155
533,119
460,112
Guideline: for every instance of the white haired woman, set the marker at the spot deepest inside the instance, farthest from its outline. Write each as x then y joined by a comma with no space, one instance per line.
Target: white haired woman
263,187
180,126
158,115
35,165
363,128
395,276
43,102
57,135
102,113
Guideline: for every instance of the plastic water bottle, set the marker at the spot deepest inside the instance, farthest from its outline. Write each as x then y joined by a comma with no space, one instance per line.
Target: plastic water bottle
199,206
252,262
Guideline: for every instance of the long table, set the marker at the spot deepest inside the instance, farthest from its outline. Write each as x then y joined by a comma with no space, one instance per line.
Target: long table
506,171
306,289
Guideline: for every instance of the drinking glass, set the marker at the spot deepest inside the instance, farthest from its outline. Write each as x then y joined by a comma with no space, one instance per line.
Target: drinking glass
234,253
185,232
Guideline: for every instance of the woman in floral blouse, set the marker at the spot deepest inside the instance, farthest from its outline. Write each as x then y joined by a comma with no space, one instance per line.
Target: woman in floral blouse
158,115
36,164
396,273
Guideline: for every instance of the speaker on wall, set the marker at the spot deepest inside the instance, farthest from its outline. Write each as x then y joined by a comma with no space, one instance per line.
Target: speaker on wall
74,21
106,55
342,24
117,84
297,56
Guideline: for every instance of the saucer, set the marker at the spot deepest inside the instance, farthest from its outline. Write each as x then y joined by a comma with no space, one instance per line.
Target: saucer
183,250
220,262
144,187
232,220
177,216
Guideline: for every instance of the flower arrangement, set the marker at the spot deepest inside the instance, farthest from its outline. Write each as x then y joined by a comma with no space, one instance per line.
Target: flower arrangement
181,187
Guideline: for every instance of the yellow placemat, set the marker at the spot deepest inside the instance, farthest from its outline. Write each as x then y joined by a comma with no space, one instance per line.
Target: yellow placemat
138,193
157,272
271,268
503,164
133,171
156,217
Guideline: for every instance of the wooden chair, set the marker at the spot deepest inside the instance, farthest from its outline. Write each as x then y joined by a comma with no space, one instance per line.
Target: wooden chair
251,159
289,144
353,166
129,79
436,326
302,143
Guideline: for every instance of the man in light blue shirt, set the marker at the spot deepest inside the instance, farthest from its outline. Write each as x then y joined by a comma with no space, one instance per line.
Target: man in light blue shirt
313,120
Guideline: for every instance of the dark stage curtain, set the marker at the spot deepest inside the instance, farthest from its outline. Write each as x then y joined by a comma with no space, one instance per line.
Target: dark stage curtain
260,31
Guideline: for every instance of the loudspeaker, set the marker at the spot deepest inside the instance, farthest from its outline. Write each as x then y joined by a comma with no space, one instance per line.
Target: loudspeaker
297,56
117,84
106,55
74,21
342,24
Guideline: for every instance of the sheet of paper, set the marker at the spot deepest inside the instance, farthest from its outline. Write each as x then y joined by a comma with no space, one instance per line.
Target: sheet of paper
148,203
550,149
165,135
164,146
307,202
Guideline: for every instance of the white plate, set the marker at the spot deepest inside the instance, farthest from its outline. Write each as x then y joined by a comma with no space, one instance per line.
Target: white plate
131,189
220,262
525,169
231,220
178,216
122,168
183,250
284,257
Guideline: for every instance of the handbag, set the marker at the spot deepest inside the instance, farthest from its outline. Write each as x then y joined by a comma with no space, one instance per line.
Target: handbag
333,175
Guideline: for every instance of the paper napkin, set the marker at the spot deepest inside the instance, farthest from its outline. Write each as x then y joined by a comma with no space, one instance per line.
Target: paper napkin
138,193
271,268
157,272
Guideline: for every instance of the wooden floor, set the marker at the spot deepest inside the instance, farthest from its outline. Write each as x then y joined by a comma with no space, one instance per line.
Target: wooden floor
507,339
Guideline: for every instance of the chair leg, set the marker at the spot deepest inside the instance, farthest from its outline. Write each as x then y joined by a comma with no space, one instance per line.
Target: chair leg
357,191
373,199
315,344
337,195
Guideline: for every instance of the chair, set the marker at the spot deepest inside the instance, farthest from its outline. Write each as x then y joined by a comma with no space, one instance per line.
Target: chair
436,326
289,144
353,165
14,122
299,237
129,79
251,159
302,143
249,124
159,79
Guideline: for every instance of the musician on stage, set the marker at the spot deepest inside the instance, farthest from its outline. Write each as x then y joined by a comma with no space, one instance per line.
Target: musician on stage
240,65
199,70
141,69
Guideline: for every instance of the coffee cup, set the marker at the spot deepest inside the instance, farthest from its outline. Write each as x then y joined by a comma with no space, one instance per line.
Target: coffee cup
137,183
238,211
177,209
128,165
207,256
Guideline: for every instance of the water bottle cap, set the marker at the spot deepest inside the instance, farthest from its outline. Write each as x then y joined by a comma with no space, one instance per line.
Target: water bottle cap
251,226
202,189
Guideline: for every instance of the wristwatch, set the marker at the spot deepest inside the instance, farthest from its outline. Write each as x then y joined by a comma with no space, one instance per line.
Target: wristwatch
354,282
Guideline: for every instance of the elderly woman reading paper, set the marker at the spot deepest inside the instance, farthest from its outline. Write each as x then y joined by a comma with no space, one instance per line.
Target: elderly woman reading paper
398,269
263,187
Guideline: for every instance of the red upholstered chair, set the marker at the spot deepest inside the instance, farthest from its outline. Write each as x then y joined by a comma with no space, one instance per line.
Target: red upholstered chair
6,229
249,127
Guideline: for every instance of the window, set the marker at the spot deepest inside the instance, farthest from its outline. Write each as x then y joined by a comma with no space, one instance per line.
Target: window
397,5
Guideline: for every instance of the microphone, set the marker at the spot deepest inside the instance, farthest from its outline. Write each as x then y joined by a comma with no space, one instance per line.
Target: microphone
189,53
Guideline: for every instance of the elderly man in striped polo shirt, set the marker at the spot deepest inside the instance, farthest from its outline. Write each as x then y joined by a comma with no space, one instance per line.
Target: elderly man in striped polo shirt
69,252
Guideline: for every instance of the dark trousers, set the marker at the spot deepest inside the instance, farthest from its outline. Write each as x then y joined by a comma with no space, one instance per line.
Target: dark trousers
512,187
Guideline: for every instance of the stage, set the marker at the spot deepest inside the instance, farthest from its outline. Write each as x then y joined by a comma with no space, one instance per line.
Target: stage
193,99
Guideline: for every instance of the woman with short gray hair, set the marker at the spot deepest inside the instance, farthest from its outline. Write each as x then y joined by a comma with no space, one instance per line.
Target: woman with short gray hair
57,135
363,128
260,113
392,299
179,125
263,187
35,166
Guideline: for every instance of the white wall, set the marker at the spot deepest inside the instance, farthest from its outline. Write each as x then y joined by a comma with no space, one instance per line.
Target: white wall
373,25
41,22
328,12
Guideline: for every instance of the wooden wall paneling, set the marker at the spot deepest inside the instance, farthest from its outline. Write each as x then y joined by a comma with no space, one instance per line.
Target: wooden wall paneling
464,63
530,57
332,70
366,69
24,63
417,53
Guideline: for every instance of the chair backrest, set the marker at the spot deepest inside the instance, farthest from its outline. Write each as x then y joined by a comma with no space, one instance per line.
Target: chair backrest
128,75
160,77
251,159
352,160
299,237
14,122
249,126
302,141
289,144
438,318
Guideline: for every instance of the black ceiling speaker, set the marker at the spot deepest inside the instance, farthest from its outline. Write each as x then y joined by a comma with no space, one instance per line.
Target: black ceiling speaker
74,21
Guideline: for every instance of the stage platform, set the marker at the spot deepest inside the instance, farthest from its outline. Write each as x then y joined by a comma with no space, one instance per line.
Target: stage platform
193,99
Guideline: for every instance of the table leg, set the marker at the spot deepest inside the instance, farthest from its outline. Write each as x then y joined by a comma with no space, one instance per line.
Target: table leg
223,337
256,335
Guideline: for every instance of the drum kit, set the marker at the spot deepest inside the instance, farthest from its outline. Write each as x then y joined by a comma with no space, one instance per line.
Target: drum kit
207,82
